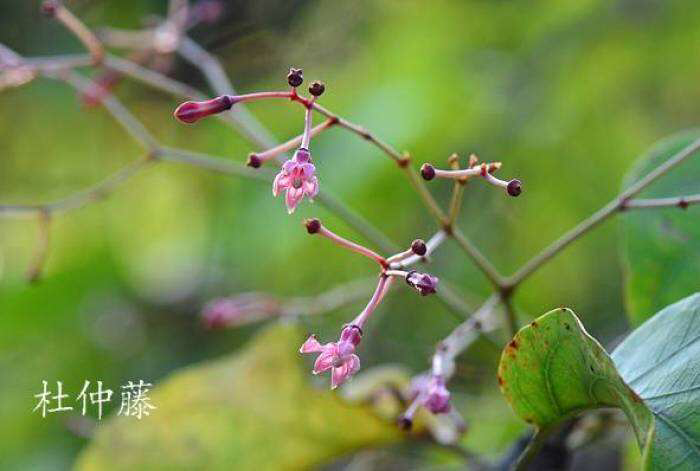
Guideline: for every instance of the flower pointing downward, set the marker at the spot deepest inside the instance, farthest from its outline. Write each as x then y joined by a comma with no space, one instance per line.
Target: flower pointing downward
297,177
339,357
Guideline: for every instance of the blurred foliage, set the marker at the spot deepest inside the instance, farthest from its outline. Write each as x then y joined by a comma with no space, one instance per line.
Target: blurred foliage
255,409
565,93
662,248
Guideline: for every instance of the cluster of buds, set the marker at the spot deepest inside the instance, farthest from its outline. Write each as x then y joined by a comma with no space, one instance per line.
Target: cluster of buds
340,355
484,170
297,176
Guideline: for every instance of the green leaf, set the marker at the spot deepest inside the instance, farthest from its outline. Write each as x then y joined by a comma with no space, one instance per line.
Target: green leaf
552,370
251,410
661,361
661,247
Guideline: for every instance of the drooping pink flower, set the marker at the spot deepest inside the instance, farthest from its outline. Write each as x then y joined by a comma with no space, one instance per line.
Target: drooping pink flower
297,177
339,357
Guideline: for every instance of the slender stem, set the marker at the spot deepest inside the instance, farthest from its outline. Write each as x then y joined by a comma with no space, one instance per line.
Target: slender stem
479,259
335,298
352,246
82,32
399,273
428,199
457,192
511,318
382,287
306,137
131,125
292,143
432,244
677,201
532,449
463,336
599,216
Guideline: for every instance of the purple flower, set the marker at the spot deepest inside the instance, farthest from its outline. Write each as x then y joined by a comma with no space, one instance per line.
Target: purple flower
424,283
435,396
429,391
297,179
339,357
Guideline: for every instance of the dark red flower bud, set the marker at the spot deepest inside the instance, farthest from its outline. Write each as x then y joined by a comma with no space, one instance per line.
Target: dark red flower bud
418,247
428,171
295,77
312,225
405,423
254,161
317,88
49,7
192,111
514,188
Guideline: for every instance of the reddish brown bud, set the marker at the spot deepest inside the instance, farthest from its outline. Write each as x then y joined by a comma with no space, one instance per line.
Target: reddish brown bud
49,7
418,247
192,111
254,161
405,423
427,171
312,225
514,187
317,88
295,77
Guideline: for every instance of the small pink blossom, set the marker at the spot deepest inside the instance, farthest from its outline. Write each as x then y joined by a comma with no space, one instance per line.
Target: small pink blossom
339,357
297,177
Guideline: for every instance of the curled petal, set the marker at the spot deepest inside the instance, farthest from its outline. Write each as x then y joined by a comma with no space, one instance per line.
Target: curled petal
280,183
311,345
307,170
292,199
324,361
342,373
311,187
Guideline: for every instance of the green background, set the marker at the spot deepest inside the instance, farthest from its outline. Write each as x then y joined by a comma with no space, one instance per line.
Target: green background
565,93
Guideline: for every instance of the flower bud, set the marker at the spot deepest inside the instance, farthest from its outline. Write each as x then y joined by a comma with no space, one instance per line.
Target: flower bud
424,283
317,88
514,187
405,423
49,7
192,111
418,247
312,225
427,171
254,161
295,77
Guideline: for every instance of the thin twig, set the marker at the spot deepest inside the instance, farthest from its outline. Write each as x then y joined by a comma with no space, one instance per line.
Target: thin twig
599,216
677,201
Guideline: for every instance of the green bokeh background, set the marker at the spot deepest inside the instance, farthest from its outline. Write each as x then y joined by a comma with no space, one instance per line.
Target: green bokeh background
565,92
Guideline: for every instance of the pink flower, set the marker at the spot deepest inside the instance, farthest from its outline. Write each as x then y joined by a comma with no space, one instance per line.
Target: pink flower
339,357
297,179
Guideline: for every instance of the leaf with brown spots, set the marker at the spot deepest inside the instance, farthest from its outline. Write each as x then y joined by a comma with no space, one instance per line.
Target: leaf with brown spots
553,369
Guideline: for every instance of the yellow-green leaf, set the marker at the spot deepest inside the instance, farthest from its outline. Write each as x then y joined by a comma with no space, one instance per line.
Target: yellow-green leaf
251,410
553,369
